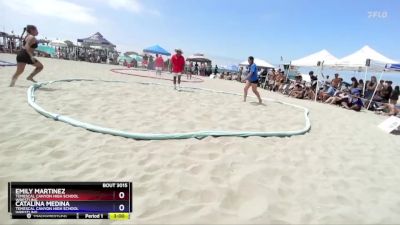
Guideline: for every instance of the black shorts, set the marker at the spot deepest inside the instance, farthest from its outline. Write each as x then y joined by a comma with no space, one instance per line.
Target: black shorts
254,82
24,57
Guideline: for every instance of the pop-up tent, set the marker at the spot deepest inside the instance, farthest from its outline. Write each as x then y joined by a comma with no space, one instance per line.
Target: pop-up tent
259,62
156,49
198,57
317,59
96,40
358,60
312,60
366,58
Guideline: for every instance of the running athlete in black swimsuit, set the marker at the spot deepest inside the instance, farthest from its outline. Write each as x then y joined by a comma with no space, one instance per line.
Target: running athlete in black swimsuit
25,56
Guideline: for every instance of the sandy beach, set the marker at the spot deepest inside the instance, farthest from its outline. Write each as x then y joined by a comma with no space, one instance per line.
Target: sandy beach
344,171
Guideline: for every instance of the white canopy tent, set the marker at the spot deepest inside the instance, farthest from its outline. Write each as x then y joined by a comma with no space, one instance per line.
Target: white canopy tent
358,60
323,56
313,59
259,62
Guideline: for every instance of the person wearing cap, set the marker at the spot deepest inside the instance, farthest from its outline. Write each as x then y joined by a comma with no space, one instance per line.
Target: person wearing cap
252,80
177,66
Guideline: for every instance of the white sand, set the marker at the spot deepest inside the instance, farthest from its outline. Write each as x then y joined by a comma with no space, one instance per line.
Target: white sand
345,170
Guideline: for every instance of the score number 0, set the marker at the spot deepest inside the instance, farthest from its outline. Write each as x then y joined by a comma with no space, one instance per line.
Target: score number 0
121,195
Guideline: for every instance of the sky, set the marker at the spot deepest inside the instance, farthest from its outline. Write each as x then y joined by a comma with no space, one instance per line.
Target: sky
227,31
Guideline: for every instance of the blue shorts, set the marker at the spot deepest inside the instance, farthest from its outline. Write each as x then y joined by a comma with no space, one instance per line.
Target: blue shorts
254,82
331,91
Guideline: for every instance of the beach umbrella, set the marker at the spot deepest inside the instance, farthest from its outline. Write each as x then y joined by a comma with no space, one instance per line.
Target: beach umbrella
198,58
46,49
122,58
156,49
131,53
58,43
138,58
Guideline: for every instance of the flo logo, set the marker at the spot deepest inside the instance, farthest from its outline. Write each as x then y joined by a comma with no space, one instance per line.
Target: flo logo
377,14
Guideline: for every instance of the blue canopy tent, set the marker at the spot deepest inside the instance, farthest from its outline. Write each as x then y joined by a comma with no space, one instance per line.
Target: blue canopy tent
156,49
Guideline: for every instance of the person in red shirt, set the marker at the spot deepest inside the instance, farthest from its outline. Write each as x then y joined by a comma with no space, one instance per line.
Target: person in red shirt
159,63
177,66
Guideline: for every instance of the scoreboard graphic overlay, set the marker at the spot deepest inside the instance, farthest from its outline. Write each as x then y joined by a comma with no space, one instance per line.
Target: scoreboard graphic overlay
70,200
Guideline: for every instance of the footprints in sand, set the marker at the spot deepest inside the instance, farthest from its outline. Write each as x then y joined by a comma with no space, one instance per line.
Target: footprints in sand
57,154
185,195
195,169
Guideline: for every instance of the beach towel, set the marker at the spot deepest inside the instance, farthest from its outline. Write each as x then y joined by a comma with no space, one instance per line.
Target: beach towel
4,63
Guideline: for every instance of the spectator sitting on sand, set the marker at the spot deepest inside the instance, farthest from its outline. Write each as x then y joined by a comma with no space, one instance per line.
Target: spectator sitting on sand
386,91
361,85
228,76
335,85
284,81
279,81
354,88
370,87
336,81
235,76
338,97
309,93
222,75
353,102
313,79
297,90
394,96
379,88
311,90
390,109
